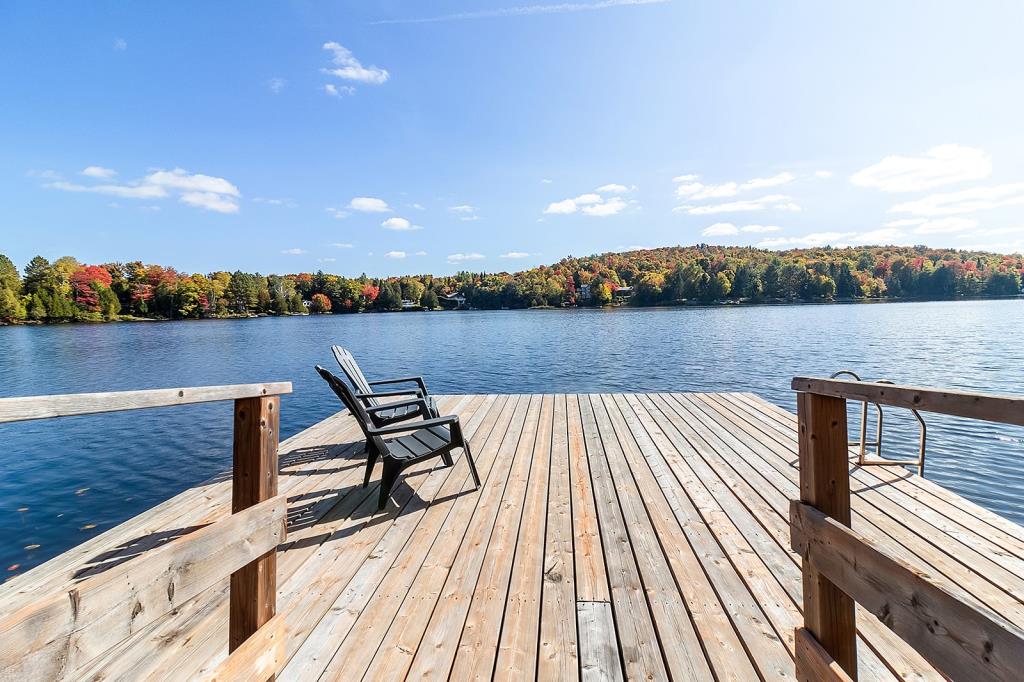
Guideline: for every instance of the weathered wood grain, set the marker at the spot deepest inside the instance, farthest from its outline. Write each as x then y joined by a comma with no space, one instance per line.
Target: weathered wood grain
50,406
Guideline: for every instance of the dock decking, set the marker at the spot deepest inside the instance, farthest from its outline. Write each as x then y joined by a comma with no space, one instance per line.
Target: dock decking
637,536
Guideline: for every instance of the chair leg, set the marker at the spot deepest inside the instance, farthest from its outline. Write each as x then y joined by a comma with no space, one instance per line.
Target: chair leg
371,458
446,457
387,480
472,464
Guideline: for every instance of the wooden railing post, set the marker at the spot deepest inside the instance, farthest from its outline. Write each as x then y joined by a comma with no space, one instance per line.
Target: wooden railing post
825,484
253,587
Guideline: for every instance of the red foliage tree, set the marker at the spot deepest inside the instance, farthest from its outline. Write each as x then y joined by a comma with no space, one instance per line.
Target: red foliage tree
320,304
83,286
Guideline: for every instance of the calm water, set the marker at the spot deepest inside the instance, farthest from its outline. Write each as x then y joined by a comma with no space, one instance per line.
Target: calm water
76,477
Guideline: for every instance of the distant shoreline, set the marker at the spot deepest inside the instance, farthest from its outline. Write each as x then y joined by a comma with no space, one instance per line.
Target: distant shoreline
684,304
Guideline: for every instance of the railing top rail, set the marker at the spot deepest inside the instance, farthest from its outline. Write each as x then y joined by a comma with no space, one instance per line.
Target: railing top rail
984,406
50,406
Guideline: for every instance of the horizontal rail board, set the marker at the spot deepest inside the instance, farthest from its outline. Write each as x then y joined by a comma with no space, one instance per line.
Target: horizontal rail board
50,638
259,658
983,406
67,405
961,641
813,662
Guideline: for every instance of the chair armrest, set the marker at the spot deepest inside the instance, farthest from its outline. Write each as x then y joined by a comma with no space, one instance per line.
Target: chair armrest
449,420
424,408
402,380
388,394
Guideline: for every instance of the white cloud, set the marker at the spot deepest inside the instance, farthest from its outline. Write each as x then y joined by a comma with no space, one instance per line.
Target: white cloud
614,188
589,198
524,10
369,205
719,230
326,260
698,190
607,208
561,207
691,177
273,201
881,236
338,90
341,245
120,44
294,251
44,174
276,85
336,213
395,254
464,208
824,174
98,172
547,181
195,189
210,201
420,253
761,228
946,225
941,165
964,201
515,254
906,222
773,181
399,225
418,207
122,191
780,202
350,69
463,257
191,182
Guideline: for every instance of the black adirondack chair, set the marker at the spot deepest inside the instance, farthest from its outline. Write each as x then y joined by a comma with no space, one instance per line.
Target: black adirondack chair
401,445
390,412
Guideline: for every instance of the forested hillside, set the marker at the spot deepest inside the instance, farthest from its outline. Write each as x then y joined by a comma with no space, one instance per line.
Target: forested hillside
69,290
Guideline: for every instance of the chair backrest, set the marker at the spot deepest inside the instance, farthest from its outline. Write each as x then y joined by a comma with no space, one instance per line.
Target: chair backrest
351,369
348,398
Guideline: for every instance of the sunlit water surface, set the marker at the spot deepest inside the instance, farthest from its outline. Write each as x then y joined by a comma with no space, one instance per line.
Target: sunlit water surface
67,480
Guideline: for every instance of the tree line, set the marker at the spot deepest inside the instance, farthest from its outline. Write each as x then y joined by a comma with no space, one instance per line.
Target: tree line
67,290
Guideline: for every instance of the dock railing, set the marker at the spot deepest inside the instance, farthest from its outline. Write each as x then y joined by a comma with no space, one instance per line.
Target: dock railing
964,641
55,634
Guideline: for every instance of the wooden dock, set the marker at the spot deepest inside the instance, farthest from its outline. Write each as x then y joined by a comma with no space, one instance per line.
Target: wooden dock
615,536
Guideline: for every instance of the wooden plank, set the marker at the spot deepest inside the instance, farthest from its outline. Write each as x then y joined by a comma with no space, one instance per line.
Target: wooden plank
440,641
50,406
599,653
518,645
680,645
254,479
55,635
962,642
984,406
825,484
818,666
641,655
660,492
558,659
258,658
409,614
341,626
588,555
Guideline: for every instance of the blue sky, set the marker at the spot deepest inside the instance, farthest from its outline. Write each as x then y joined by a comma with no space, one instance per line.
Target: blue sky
402,137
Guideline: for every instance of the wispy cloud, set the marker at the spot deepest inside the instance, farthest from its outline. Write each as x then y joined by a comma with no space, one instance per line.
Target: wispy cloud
690,188
463,257
194,189
347,67
592,203
515,254
964,201
338,90
369,205
294,251
395,254
341,245
98,172
771,201
120,44
337,213
399,225
941,165
276,85
524,10
883,236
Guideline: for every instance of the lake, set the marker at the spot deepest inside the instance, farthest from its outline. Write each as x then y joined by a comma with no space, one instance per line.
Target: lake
67,480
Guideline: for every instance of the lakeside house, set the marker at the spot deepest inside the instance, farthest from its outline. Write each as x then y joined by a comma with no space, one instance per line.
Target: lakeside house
454,301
